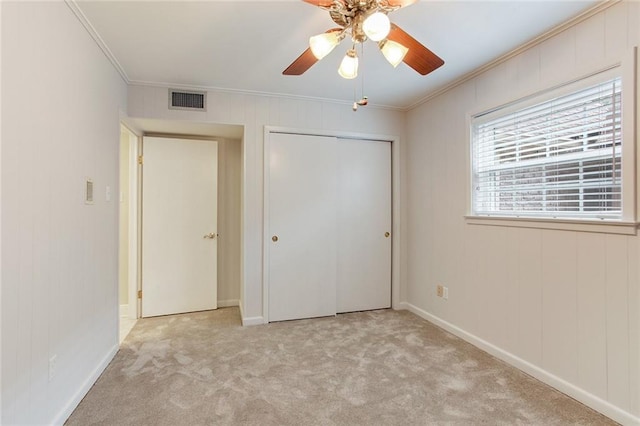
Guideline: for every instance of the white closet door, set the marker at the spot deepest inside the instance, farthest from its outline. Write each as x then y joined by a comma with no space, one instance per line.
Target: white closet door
303,179
364,218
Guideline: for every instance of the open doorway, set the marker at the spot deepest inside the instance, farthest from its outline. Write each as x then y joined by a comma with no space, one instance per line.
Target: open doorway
230,195
128,232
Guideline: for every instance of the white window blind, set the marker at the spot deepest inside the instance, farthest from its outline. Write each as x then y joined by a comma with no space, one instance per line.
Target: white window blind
561,158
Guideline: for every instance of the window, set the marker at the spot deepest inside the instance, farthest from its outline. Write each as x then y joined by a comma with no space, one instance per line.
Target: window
560,157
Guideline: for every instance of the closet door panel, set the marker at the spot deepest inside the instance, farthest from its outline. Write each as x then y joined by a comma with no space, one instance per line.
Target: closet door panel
364,219
302,225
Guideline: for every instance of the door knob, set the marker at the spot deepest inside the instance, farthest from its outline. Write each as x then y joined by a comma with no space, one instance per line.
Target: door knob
211,236
386,234
274,238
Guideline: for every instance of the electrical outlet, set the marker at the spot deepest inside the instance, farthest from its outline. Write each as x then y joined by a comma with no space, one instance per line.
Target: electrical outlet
52,367
445,292
440,290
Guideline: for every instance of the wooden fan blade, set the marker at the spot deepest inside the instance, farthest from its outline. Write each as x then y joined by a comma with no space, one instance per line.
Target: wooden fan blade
418,57
303,63
323,3
401,3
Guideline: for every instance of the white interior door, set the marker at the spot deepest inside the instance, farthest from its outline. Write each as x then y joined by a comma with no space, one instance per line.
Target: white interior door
364,225
302,185
179,219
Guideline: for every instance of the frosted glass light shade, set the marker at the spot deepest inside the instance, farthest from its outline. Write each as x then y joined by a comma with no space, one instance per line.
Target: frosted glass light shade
322,44
349,66
377,26
393,51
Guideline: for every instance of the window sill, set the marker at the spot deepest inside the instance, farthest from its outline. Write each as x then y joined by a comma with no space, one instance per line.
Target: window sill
599,226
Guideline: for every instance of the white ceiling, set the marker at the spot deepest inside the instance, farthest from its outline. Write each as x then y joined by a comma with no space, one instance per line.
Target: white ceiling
245,45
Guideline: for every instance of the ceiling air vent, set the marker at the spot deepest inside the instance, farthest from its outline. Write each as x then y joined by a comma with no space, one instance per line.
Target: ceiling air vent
184,99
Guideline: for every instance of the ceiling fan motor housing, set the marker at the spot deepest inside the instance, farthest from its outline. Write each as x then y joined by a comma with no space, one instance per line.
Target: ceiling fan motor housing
396,44
357,32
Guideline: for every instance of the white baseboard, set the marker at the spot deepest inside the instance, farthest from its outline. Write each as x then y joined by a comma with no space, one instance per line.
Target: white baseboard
252,321
249,320
597,403
66,411
124,310
228,303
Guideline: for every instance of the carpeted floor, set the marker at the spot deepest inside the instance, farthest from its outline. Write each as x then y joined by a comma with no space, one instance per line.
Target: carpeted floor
369,368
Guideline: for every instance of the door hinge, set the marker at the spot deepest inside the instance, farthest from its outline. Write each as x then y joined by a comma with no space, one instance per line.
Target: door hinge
140,159
139,294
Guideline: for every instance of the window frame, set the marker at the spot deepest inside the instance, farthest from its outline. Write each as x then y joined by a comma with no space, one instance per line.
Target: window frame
627,223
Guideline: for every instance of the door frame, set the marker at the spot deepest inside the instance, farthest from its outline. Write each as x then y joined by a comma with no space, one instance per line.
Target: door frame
395,204
135,144
133,273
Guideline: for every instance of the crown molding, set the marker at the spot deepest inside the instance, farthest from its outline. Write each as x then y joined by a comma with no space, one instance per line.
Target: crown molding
73,5
96,37
258,93
605,4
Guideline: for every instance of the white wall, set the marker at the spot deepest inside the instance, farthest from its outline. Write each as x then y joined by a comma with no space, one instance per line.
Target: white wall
1,241
562,305
254,112
60,124
229,214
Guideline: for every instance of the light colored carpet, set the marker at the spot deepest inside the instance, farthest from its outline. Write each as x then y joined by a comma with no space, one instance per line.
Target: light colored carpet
369,368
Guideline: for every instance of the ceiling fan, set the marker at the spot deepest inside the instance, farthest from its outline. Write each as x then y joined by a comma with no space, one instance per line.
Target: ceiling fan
365,20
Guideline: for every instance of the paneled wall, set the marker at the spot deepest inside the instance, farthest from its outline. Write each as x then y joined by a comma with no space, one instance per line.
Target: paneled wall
61,105
254,112
229,214
562,305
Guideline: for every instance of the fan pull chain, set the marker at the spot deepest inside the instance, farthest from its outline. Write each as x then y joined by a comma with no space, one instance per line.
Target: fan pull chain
362,55
355,89
355,95
355,103
363,100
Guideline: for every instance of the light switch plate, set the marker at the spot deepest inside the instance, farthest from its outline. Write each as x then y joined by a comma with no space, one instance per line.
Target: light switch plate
88,194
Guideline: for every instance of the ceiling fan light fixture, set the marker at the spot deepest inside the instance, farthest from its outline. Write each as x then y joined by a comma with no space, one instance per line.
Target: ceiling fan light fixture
377,26
322,44
349,65
393,51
